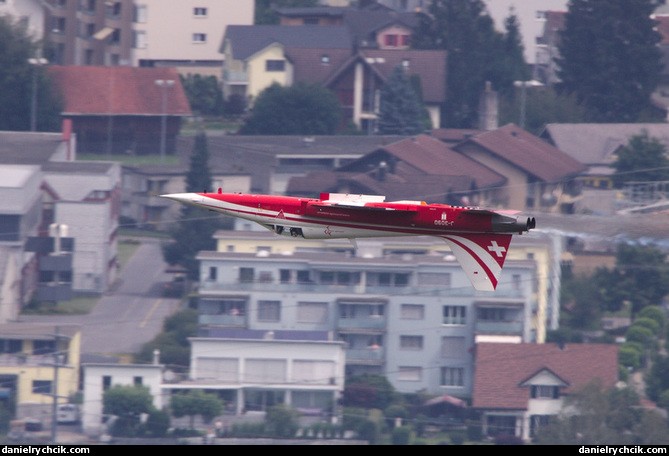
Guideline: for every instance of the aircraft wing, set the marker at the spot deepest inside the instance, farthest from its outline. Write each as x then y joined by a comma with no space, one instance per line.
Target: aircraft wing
481,256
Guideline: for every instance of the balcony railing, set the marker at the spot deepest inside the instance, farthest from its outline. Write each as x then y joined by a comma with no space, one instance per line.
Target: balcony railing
377,322
499,327
223,320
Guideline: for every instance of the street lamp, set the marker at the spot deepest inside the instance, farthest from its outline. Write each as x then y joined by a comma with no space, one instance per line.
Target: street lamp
164,84
523,97
36,62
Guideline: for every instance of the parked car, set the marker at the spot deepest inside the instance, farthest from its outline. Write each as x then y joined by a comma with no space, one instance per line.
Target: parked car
67,414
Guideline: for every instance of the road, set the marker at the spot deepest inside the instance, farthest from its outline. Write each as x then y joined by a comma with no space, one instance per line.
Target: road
129,315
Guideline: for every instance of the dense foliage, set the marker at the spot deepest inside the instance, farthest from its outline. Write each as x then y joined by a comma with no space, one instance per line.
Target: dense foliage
610,58
400,112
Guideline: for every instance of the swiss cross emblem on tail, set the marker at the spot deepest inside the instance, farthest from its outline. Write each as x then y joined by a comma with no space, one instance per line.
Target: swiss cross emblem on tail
481,256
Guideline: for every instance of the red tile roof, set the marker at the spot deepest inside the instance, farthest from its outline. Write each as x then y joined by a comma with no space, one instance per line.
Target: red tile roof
500,368
528,152
95,90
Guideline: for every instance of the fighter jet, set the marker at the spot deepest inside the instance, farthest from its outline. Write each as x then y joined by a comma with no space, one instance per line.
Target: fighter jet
479,238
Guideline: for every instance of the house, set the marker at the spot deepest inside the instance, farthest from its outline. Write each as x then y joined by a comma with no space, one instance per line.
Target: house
122,109
30,354
403,307
415,168
86,197
517,387
539,175
99,377
254,370
255,54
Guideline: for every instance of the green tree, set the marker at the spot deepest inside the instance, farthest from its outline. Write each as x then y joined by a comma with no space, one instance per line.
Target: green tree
476,53
609,57
172,342
643,159
194,403
17,76
596,416
195,228
300,109
400,112
282,420
204,94
657,378
368,391
127,403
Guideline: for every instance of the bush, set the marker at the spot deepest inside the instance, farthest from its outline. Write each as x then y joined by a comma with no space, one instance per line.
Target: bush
474,432
401,435
369,430
157,423
393,412
654,313
639,334
629,357
648,323
282,420
457,438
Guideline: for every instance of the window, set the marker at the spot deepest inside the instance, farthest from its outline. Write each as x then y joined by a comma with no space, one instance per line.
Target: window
434,278
312,312
454,315
137,381
199,37
452,376
411,343
246,275
43,347
41,386
453,347
412,312
213,273
269,311
10,345
139,39
544,392
140,13
275,65
199,12
106,382
410,373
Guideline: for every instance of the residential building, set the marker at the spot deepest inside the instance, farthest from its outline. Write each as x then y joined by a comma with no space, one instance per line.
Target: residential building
540,176
30,353
20,218
254,55
379,303
185,34
416,168
253,370
99,377
121,109
86,197
89,32
518,387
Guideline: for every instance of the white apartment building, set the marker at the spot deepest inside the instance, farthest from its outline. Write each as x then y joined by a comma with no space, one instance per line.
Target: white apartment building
410,316
185,34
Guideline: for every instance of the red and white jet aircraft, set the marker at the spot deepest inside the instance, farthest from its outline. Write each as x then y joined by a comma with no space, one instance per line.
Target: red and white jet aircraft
479,238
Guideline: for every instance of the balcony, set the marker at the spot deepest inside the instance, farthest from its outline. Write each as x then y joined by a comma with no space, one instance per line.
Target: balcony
499,327
365,355
223,320
373,323
235,77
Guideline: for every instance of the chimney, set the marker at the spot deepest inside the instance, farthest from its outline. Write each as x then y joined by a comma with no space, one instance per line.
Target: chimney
156,357
488,109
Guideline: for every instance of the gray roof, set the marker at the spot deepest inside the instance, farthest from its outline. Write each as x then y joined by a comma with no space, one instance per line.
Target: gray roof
248,39
595,144
27,148
79,167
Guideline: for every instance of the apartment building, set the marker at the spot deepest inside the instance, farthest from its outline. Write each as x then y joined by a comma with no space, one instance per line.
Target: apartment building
176,33
411,316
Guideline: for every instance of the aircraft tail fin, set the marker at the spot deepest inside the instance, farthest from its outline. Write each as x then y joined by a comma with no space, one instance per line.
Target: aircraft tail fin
481,256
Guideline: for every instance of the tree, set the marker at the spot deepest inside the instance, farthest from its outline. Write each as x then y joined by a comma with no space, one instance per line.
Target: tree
282,420
17,77
643,159
195,228
300,109
595,416
193,403
368,391
127,402
609,57
204,94
265,10
476,53
400,112
172,342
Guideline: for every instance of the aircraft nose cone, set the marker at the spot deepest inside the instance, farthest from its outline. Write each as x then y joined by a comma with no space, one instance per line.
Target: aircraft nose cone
188,198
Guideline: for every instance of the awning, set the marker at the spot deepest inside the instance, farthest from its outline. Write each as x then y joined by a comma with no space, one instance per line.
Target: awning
446,399
103,33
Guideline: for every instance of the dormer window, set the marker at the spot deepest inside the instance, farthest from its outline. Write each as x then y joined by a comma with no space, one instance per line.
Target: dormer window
544,392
